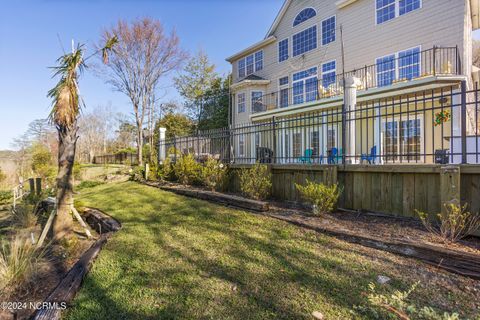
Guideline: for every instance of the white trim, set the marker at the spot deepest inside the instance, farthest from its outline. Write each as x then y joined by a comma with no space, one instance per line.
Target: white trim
278,18
255,47
295,18
321,31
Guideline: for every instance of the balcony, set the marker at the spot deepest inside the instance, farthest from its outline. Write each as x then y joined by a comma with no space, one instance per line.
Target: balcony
387,71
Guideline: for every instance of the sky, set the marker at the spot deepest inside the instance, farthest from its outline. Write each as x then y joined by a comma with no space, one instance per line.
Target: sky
33,32
30,33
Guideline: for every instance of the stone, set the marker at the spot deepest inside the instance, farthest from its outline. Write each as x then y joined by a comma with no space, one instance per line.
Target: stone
383,279
318,315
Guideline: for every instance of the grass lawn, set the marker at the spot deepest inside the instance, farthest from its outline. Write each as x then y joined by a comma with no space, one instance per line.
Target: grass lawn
180,258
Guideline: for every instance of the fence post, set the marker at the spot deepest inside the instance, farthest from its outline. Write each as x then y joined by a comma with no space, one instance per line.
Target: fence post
161,146
31,183
38,185
349,108
274,148
449,185
463,121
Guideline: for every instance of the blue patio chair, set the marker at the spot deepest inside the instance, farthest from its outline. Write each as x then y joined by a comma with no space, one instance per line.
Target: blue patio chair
370,158
308,156
332,156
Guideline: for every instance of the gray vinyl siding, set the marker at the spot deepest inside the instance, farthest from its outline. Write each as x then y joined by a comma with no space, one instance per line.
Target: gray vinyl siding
437,22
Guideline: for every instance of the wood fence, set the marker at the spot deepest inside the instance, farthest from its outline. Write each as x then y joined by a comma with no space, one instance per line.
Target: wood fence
392,189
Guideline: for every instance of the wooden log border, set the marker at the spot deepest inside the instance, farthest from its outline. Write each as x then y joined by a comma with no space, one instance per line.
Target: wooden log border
226,199
67,289
462,263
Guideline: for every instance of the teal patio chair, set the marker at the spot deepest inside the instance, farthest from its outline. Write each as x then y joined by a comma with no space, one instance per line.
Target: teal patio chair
307,158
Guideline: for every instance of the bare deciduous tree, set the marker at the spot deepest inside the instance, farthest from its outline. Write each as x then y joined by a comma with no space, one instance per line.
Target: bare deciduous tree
144,54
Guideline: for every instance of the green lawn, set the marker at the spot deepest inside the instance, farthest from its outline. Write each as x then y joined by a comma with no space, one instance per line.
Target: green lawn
179,258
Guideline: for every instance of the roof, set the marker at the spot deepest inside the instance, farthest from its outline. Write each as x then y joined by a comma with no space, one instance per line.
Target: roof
253,77
252,48
250,80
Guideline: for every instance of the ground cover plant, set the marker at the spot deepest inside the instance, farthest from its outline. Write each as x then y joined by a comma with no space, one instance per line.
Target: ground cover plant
183,258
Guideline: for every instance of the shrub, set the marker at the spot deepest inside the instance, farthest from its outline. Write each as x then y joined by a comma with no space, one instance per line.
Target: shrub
323,198
24,216
397,306
6,197
256,182
19,263
453,224
187,170
137,173
165,171
213,173
89,184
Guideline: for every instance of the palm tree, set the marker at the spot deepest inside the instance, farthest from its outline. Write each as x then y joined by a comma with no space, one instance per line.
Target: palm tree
66,108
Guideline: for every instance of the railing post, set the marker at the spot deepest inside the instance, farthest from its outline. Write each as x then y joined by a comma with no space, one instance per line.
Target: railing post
463,121
274,148
366,77
434,60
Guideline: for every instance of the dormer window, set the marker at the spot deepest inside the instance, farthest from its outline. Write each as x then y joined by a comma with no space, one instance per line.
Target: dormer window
304,15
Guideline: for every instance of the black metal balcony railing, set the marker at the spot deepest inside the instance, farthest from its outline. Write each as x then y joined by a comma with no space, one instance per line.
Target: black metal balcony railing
387,71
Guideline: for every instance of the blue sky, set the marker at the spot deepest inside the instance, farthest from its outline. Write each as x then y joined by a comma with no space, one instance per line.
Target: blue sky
29,44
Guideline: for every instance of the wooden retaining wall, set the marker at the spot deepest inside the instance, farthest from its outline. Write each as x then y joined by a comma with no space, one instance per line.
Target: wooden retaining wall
391,189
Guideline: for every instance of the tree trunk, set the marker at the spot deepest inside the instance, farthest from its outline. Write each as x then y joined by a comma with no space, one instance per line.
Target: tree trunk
67,140
140,147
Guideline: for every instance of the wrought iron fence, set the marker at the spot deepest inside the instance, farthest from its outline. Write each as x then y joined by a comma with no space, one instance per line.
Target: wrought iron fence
389,70
433,126
119,158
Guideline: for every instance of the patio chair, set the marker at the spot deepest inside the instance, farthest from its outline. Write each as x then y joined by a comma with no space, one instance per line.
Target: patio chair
308,156
370,158
332,156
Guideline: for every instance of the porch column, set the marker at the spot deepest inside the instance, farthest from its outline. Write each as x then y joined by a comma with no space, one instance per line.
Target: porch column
350,101
161,147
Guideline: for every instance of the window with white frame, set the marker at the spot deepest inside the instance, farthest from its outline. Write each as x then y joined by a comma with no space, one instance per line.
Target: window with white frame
241,145
283,50
402,139
283,93
241,68
250,64
304,15
409,64
386,70
241,102
315,143
328,30
257,101
305,88
331,138
405,6
404,65
304,41
329,73
390,9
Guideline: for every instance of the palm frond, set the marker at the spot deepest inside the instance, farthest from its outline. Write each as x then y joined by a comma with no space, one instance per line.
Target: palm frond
65,95
109,47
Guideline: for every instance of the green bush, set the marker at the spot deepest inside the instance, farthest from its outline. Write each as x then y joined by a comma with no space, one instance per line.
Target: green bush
323,198
6,197
256,182
137,173
397,306
165,170
187,170
454,223
89,184
214,173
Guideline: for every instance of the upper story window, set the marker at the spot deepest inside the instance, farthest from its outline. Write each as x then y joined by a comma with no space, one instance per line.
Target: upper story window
329,73
257,101
283,97
328,30
283,50
406,6
389,9
404,65
304,15
250,64
305,86
241,102
283,81
305,41
385,70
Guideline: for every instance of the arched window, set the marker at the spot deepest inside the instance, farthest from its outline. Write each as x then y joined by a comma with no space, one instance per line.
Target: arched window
304,15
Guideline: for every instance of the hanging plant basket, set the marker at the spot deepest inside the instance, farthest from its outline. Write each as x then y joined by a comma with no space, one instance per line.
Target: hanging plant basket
442,117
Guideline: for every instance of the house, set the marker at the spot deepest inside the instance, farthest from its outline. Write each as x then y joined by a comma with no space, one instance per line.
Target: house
406,61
